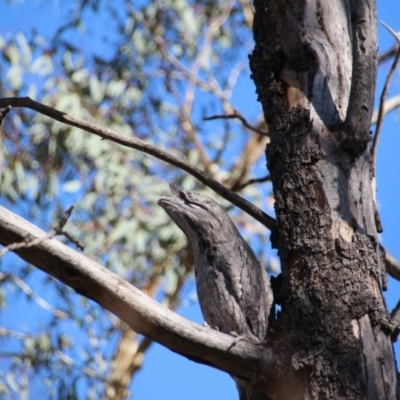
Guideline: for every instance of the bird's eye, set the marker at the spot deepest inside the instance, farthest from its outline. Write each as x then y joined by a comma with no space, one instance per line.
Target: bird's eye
196,205
183,195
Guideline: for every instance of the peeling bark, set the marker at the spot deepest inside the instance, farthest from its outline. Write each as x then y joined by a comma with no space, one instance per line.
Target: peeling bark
314,66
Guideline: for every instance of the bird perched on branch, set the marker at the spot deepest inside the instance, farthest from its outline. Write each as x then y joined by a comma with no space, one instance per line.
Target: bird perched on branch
232,287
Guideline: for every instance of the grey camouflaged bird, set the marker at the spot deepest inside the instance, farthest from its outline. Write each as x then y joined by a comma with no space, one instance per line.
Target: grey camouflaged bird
232,287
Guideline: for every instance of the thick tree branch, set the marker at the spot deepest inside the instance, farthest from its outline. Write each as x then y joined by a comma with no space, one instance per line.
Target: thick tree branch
147,148
364,47
289,20
138,310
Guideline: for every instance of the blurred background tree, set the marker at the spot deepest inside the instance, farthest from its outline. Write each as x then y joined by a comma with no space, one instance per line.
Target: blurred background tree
173,73
155,71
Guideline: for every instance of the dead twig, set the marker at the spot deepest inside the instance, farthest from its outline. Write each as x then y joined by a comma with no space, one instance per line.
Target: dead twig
13,334
392,267
387,55
395,314
3,113
32,295
242,119
392,31
389,106
248,12
255,180
57,230
383,97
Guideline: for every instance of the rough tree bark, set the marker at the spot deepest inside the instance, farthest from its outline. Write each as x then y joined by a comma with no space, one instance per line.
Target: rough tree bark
314,66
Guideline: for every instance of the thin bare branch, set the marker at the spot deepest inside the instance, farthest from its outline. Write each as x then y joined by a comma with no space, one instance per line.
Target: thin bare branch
222,148
31,294
395,34
248,12
250,154
138,310
253,181
69,361
381,109
395,314
388,107
3,113
57,230
233,77
387,55
27,243
147,148
392,266
13,334
242,119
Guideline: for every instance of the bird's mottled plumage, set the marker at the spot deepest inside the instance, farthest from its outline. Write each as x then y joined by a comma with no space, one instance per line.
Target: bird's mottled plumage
233,288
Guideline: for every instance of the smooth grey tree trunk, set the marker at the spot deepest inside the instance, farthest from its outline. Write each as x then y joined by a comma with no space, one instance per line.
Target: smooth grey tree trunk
314,66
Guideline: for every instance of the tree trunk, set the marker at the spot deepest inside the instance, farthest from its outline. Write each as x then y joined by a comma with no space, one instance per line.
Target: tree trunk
314,66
